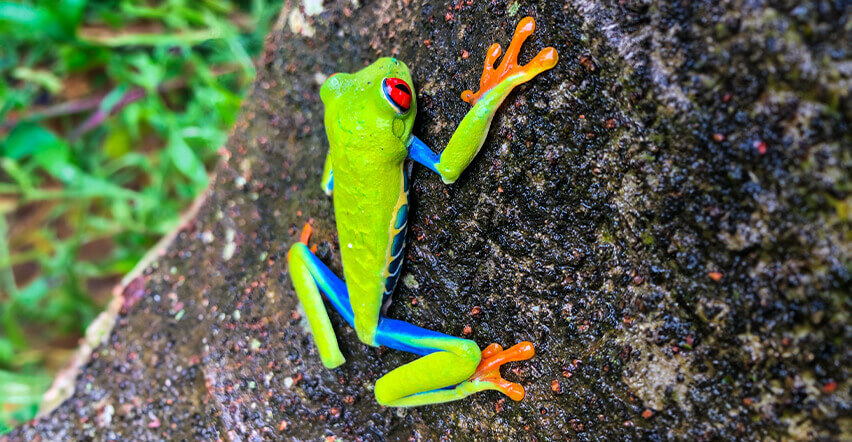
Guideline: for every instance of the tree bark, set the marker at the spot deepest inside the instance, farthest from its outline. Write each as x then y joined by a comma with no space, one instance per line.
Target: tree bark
665,214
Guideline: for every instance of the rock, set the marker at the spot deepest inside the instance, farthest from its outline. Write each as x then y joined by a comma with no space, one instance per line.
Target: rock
672,142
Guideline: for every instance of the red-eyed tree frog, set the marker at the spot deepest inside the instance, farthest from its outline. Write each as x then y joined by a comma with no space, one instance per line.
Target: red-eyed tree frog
368,119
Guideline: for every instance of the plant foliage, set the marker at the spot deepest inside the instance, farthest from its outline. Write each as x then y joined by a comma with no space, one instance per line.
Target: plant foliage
111,113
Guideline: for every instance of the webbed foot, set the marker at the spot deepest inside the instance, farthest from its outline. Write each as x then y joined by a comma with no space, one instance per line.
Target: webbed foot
508,71
488,370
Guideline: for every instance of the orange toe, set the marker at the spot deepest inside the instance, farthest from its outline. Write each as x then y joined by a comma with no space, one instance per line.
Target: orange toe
491,350
304,238
307,230
513,390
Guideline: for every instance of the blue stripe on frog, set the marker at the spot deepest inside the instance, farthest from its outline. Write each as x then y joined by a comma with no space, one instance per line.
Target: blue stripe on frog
401,217
398,243
390,283
395,265
405,181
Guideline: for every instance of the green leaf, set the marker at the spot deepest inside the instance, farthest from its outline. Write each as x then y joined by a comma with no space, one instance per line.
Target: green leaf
132,116
30,138
145,72
14,332
24,15
185,161
18,175
7,350
52,153
69,13
76,58
29,21
30,295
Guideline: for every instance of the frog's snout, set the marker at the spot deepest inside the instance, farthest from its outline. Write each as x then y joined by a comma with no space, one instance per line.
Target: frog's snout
330,81
330,87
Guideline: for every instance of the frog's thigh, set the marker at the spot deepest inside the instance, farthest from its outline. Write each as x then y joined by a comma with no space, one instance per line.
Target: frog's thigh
310,275
448,361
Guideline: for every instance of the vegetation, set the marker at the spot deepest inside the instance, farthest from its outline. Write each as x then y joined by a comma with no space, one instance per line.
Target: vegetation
111,113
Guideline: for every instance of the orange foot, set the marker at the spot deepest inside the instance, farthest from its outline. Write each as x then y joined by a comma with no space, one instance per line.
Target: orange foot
304,238
493,357
508,68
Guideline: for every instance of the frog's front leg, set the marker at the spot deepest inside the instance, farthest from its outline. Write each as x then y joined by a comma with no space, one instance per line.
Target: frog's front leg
495,86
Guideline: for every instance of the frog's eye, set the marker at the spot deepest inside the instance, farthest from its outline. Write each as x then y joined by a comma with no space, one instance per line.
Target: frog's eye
397,93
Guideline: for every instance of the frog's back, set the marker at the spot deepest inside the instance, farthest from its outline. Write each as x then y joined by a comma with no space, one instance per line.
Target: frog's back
371,208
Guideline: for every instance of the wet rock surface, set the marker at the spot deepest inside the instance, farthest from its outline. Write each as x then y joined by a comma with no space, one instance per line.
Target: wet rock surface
665,215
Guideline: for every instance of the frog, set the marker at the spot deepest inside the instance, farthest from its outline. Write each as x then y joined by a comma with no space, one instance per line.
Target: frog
369,117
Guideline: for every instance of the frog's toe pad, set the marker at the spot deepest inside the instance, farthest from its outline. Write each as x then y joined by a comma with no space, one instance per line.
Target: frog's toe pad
305,237
491,350
509,70
493,357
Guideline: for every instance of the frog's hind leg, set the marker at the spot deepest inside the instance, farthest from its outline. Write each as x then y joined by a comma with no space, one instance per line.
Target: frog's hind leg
451,368
310,276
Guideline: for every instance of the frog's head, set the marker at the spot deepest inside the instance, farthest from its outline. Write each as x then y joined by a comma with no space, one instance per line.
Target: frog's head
373,103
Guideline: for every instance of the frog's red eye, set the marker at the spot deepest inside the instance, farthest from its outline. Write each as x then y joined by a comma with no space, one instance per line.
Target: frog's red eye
398,93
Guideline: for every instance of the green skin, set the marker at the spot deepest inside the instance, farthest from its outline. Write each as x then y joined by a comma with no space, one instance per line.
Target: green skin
369,141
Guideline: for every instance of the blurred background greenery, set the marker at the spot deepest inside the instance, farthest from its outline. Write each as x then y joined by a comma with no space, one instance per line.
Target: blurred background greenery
111,114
